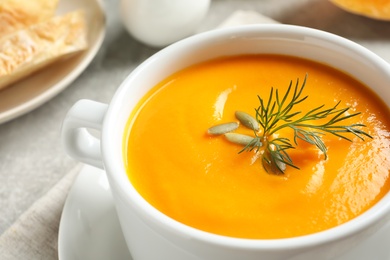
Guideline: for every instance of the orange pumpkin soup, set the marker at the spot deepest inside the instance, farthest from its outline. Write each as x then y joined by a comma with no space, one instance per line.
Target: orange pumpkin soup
202,181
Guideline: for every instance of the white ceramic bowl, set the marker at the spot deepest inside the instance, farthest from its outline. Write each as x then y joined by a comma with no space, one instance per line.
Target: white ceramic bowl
152,235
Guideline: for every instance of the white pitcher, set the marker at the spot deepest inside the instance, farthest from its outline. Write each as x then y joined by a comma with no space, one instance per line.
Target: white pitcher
161,22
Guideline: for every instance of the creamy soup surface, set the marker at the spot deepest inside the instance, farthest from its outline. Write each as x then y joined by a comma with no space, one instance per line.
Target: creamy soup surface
202,181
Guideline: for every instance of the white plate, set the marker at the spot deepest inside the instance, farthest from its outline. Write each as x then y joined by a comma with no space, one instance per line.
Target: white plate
90,228
33,91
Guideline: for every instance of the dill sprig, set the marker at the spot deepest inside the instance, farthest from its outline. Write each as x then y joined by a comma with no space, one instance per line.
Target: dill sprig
277,113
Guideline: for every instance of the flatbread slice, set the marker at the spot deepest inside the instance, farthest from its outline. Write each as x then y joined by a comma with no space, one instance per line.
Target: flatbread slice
18,14
376,9
30,49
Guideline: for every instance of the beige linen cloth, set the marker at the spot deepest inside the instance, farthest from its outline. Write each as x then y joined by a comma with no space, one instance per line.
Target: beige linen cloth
35,234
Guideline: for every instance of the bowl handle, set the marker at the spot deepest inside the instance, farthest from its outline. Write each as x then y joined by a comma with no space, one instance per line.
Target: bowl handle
77,141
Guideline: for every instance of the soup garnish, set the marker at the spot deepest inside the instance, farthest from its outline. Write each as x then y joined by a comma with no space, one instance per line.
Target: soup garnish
277,113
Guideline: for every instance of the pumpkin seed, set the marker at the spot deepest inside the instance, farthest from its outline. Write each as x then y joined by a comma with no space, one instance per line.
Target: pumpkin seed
247,120
239,138
279,166
222,128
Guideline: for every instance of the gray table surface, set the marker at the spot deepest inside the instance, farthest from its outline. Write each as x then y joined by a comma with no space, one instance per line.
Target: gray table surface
31,157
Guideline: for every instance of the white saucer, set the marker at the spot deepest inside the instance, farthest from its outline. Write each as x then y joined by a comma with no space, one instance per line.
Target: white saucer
90,228
35,90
